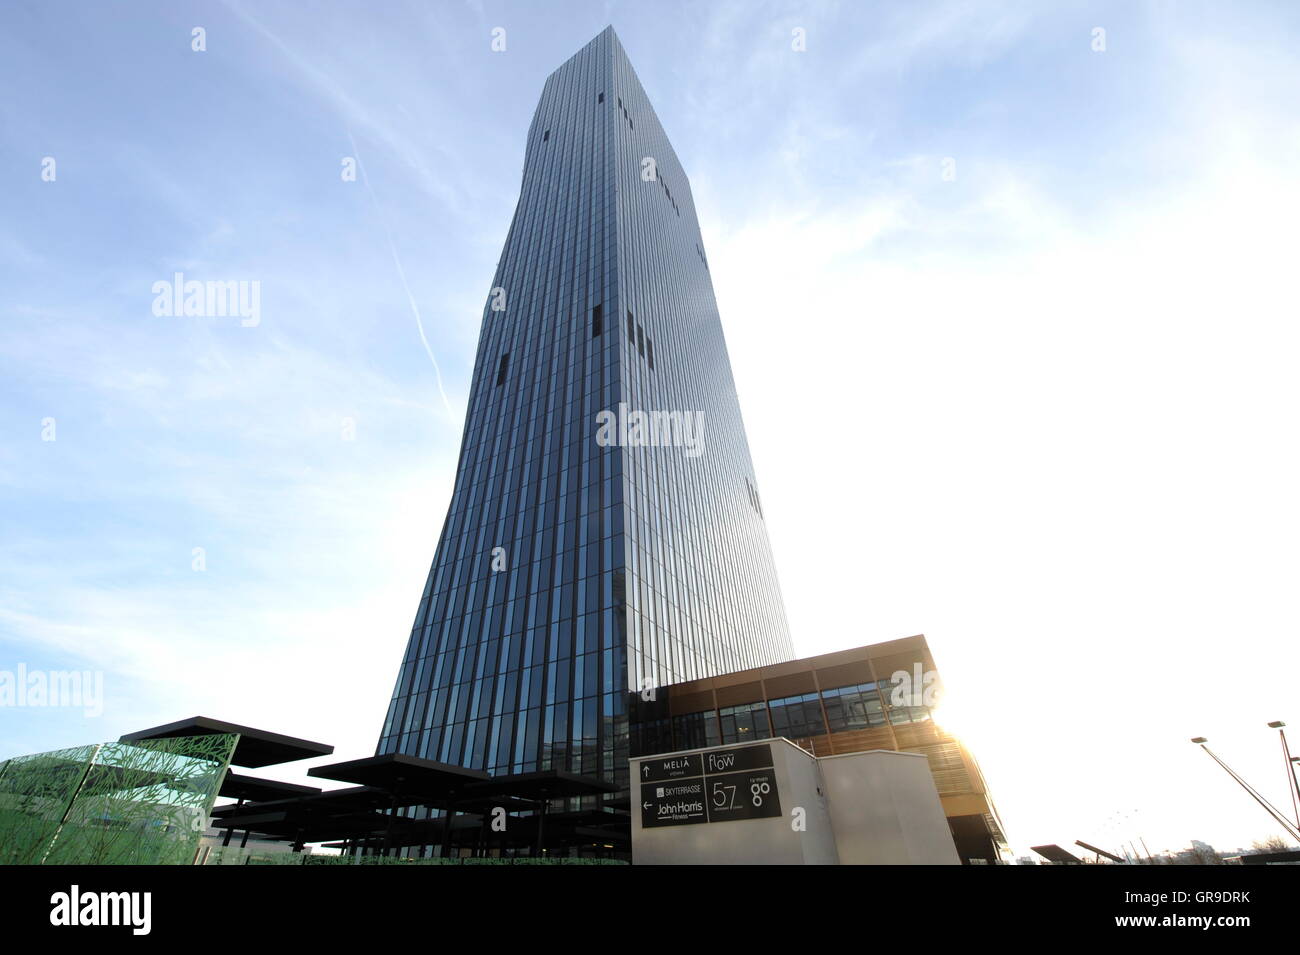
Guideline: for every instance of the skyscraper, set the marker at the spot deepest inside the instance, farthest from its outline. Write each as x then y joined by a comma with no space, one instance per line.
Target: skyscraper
605,533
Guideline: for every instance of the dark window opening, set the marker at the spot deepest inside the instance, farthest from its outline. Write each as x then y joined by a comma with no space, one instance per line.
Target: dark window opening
596,319
650,352
631,328
546,135
501,368
640,340
600,98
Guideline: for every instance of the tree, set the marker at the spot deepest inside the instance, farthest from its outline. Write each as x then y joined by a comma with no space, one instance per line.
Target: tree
1271,844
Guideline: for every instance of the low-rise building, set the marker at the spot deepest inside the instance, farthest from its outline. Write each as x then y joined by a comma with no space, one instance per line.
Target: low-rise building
875,697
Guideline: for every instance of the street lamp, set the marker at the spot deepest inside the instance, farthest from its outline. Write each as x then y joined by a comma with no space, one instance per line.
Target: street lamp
1292,830
1288,764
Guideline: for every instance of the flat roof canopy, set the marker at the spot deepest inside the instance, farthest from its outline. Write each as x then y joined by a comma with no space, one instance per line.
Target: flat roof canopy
547,784
1055,853
240,786
293,828
397,772
395,781
438,785
255,747
1101,852
585,828
314,817
331,802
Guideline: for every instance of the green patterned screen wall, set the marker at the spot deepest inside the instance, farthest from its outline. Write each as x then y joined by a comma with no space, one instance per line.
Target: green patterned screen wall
142,803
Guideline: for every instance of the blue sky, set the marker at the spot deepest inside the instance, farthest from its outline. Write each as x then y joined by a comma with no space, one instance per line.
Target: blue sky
1054,391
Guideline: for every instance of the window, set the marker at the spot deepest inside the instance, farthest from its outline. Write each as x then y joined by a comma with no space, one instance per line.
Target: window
797,717
600,98
546,135
596,322
651,736
743,723
631,328
501,368
853,707
640,340
911,710
650,352
695,730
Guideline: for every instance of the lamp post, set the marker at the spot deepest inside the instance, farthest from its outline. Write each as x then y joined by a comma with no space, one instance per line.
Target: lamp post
1292,782
1291,830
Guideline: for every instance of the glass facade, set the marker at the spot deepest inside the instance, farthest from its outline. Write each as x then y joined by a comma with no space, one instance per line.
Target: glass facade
860,707
140,803
605,533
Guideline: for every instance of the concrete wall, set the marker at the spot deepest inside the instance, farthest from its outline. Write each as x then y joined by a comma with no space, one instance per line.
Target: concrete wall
771,841
872,808
885,810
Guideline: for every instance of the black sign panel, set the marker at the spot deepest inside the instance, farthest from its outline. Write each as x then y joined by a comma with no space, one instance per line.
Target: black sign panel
745,795
717,786
670,767
733,760
673,802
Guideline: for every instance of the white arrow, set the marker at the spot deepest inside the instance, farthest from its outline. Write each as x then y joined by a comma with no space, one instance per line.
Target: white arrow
645,805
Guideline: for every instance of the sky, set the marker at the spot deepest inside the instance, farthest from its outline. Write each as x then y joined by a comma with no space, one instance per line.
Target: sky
1010,304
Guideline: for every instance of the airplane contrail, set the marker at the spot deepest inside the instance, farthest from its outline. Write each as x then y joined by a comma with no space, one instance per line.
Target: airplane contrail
397,261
